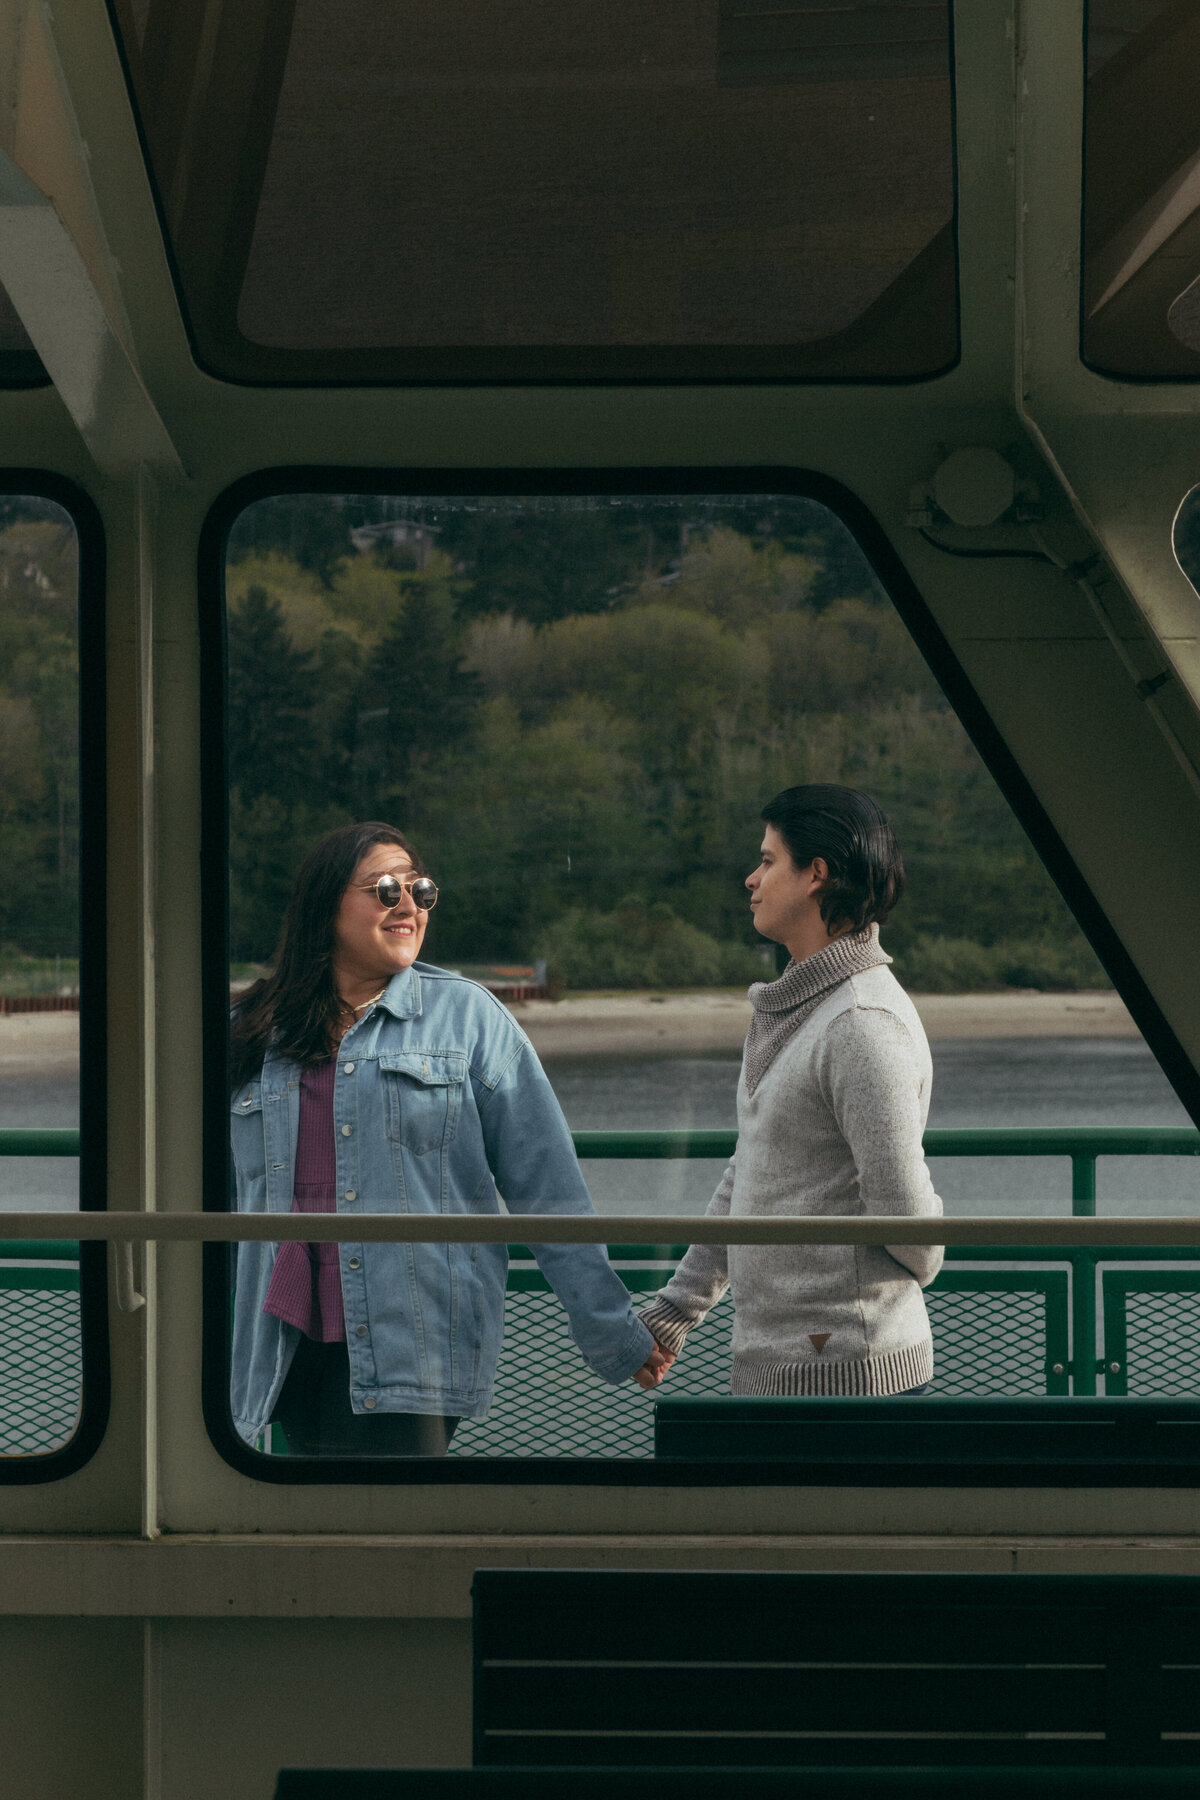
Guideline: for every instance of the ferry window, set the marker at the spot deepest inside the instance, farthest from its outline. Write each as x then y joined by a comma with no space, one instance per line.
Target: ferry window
20,364
451,190
574,707
1141,217
46,962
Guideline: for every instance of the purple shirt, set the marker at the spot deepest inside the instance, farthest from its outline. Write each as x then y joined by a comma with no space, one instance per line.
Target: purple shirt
305,1289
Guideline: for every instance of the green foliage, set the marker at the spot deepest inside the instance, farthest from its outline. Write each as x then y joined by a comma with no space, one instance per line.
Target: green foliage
956,965
272,691
565,559
39,752
268,839
308,529
417,698
569,701
640,945
21,974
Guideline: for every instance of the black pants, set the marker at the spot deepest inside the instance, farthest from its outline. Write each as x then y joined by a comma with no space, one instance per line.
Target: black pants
314,1409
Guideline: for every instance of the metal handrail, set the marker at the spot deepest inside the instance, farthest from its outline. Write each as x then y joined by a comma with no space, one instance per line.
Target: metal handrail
593,1228
1083,1238
1082,1144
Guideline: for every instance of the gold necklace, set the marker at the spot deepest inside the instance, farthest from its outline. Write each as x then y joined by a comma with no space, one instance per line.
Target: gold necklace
346,1006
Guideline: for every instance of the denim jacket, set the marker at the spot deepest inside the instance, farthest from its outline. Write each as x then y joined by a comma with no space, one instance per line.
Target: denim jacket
439,1100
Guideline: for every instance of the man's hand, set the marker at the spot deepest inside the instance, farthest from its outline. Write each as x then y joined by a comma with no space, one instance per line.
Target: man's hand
654,1367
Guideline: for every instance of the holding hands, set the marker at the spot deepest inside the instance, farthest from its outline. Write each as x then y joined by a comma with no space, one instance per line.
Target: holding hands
654,1367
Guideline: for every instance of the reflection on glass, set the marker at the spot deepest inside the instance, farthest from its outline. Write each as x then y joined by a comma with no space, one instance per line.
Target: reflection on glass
686,190
39,965
1141,213
575,709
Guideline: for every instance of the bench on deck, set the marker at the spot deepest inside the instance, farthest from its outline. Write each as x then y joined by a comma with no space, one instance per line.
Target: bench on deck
690,1686
864,1670
727,1784
925,1442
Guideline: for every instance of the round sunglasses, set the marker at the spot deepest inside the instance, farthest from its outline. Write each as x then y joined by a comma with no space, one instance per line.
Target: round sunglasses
389,890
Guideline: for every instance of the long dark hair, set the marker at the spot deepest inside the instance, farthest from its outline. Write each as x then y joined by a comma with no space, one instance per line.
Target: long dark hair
295,1008
850,832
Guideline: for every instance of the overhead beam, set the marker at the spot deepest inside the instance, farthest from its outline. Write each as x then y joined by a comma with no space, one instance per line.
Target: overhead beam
69,326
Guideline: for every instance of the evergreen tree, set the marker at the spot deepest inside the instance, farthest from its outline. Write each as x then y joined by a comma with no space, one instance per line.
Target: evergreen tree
419,700
272,692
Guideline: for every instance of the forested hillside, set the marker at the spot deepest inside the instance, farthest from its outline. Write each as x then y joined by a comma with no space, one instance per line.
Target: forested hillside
577,710
39,756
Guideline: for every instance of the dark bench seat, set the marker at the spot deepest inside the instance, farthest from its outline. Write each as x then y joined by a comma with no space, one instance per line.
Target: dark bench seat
728,1784
924,1442
624,1668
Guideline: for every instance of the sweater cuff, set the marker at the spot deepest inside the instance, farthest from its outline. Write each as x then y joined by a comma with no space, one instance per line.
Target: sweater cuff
667,1324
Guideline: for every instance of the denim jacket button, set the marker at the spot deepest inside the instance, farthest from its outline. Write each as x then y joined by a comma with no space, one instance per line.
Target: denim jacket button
360,1331
347,1131
350,1194
369,1402
355,1262
348,1069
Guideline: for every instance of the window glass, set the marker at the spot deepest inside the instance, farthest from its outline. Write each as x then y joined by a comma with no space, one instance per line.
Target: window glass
20,364
40,1345
694,189
1141,220
575,708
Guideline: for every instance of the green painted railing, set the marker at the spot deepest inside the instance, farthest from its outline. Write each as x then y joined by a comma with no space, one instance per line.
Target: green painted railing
39,1142
1082,1144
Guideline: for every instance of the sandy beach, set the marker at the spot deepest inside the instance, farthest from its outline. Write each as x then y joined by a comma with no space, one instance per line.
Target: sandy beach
38,1043
636,1024
704,1023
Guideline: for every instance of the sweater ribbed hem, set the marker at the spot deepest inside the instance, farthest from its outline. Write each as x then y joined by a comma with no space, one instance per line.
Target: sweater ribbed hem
666,1324
891,1374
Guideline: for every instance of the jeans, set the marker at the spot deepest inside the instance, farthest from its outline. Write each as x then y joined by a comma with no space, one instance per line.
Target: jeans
314,1409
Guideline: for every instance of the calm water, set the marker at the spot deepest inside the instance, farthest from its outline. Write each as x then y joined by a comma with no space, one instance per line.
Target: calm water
1026,1081
27,1182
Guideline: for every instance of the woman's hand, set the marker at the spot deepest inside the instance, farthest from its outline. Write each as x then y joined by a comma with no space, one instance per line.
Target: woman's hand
654,1367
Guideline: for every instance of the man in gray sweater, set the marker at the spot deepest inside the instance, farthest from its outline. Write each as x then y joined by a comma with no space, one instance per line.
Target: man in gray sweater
832,1102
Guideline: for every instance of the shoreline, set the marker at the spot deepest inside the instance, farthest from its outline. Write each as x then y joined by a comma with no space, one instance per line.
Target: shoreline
709,1022
715,1022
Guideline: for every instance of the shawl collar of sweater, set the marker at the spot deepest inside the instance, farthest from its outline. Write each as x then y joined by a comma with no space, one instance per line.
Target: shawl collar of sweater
781,1007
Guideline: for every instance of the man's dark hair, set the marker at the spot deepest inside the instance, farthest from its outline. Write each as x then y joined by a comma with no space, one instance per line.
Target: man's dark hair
851,834
295,1008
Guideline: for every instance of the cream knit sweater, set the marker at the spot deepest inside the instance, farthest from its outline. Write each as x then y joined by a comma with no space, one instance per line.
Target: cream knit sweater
834,1126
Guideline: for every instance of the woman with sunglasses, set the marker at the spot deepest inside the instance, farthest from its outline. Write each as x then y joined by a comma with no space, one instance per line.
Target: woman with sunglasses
366,1082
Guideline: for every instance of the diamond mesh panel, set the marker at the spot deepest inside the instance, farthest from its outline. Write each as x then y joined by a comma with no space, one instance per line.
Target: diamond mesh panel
41,1371
1162,1343
548,1404
988,1341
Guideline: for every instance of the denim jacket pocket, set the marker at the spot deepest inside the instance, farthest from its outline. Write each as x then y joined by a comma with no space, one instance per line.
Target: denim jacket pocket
247,1138
424,1096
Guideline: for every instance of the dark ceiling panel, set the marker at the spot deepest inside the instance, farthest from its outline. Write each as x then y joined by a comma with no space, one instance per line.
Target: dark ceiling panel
452,190
1141,222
